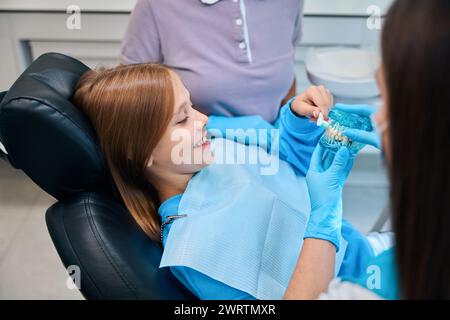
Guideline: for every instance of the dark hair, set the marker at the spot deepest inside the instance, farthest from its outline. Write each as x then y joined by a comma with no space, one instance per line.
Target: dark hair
416,60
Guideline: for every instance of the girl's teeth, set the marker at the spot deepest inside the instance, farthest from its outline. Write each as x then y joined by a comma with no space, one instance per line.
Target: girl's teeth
201,142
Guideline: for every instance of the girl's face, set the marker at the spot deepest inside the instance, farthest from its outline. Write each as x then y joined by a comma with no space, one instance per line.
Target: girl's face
184,147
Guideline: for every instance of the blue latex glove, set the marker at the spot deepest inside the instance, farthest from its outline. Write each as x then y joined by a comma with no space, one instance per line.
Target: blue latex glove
325,192
217,126
366,137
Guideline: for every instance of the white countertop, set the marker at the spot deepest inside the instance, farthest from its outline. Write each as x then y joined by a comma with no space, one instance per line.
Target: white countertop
312,7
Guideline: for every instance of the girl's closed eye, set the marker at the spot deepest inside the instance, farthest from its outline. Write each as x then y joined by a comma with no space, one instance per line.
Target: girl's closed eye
183,120
186,114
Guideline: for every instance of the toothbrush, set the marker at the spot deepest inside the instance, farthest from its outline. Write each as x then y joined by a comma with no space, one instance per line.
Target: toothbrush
333,132
321,122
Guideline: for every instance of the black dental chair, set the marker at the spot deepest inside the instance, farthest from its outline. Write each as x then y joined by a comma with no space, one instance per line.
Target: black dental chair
48,138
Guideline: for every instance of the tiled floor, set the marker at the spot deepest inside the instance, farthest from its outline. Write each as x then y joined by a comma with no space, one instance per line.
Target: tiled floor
31,269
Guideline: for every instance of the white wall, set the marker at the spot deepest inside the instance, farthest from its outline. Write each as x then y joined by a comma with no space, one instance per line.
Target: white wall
26,35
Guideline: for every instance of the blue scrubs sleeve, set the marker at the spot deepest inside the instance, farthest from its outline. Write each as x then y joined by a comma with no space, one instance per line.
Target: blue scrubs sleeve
296,136
206,288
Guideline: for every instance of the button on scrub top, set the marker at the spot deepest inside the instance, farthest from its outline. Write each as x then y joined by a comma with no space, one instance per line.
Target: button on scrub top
236,57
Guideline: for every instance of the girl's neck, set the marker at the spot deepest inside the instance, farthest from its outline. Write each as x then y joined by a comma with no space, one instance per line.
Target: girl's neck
169,185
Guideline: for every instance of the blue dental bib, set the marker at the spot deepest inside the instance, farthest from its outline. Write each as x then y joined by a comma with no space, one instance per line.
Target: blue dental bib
242,227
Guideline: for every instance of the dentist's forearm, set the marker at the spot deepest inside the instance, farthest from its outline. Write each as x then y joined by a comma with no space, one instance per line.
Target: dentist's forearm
314,270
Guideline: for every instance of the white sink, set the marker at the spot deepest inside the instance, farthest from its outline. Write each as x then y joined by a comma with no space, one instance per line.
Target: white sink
346,72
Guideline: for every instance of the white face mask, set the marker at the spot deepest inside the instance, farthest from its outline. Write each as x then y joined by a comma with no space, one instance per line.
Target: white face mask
379,131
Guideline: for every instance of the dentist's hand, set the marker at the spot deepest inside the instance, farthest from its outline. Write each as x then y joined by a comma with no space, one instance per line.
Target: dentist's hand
366,137
325,191
312,101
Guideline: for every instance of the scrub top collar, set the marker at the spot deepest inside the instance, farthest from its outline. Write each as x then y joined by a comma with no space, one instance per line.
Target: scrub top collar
209,2
169,207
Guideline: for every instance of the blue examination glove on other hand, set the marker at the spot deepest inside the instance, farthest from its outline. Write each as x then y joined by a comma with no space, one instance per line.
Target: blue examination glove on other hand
325,191
366,137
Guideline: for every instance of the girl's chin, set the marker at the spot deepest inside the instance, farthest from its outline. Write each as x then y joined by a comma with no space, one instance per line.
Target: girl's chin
202,156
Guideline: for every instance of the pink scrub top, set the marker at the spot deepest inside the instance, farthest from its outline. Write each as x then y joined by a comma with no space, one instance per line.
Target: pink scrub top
236,57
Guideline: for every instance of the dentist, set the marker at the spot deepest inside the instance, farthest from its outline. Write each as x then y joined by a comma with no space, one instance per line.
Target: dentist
413,132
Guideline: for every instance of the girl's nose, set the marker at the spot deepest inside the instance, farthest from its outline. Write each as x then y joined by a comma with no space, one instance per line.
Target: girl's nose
202,117
205,119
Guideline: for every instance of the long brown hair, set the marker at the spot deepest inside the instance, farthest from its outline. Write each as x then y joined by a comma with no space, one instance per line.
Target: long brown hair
130,108
416,57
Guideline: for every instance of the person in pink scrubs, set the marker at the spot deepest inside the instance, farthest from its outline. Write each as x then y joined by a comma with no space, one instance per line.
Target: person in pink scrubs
236,57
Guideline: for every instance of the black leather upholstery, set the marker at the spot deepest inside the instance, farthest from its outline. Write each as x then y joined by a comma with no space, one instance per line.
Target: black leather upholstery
48,138
116,259
44,134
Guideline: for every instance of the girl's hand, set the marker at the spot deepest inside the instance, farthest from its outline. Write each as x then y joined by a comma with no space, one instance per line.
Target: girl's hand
312,101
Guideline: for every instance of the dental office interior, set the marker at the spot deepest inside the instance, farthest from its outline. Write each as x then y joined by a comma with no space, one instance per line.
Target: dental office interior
50,247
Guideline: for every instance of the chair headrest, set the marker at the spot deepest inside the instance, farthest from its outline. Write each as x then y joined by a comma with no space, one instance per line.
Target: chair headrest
45,135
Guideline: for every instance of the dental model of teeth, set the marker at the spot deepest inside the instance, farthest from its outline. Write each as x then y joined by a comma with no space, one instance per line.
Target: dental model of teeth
333,132
335,136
